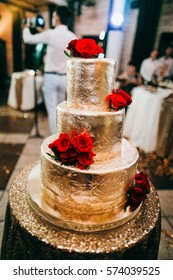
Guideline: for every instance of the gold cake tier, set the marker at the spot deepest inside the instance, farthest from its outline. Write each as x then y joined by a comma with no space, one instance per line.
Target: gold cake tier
93,196
105,128
89,81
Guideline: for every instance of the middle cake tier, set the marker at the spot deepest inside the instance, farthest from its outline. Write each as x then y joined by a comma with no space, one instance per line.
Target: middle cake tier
105,128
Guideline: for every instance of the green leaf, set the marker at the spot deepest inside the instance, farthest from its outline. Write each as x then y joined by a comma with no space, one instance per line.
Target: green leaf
54,157
67,54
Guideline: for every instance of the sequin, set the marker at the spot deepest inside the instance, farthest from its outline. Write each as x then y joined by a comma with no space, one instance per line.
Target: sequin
136,231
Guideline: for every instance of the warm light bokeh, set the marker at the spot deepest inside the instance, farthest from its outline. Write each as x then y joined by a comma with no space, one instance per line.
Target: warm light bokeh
6,33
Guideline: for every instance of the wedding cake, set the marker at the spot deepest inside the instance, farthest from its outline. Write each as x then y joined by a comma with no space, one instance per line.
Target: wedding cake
88,171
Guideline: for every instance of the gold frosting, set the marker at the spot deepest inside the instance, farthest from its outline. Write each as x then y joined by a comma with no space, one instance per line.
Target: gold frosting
89,81
140,231
97,195
50,213
105,128
92,196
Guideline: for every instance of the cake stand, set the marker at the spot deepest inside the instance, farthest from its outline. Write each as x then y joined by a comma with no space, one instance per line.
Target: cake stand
27,235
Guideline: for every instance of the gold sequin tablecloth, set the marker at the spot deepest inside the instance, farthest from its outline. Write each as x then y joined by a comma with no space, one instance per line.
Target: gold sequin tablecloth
29,236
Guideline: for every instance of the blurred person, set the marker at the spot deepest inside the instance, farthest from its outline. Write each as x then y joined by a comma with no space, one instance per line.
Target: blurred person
160,74
168,59
130,78
149,66
57,39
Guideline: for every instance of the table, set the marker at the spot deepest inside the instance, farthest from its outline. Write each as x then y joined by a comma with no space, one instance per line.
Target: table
141,125
29,236
21,93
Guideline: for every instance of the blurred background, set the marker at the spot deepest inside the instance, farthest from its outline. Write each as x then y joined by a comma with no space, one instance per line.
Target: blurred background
134,29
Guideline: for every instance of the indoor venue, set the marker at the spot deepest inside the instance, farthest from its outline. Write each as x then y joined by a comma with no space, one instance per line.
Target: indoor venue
86,129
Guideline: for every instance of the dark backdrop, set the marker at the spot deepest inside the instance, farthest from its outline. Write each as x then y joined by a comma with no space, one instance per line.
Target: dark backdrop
149,14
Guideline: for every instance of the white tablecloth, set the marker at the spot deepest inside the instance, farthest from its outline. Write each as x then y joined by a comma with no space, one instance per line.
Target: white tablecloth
27,94
142,119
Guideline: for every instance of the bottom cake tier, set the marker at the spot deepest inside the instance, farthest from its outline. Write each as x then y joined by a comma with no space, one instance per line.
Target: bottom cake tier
87,197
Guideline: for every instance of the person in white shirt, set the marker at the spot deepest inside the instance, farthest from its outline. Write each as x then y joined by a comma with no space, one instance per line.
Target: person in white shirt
57,39
167,59
149,66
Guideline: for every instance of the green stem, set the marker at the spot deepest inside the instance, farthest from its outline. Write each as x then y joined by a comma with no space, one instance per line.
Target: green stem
67,54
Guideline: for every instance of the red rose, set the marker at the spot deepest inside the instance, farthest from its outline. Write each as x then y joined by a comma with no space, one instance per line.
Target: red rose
88,48
83,143
53,147
72,44
124,94
62,144
53,144
137,196
77,152
69,156
142,181
72,48
116,101
139,191
85,159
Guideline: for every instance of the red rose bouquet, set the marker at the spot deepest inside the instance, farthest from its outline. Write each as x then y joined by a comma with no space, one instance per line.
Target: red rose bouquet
118,99
75,150
84,48
139,191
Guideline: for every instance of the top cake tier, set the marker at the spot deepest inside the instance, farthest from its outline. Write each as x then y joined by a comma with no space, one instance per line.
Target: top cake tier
89,81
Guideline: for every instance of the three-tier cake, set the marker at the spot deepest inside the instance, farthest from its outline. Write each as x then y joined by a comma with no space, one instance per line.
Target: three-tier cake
87,168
